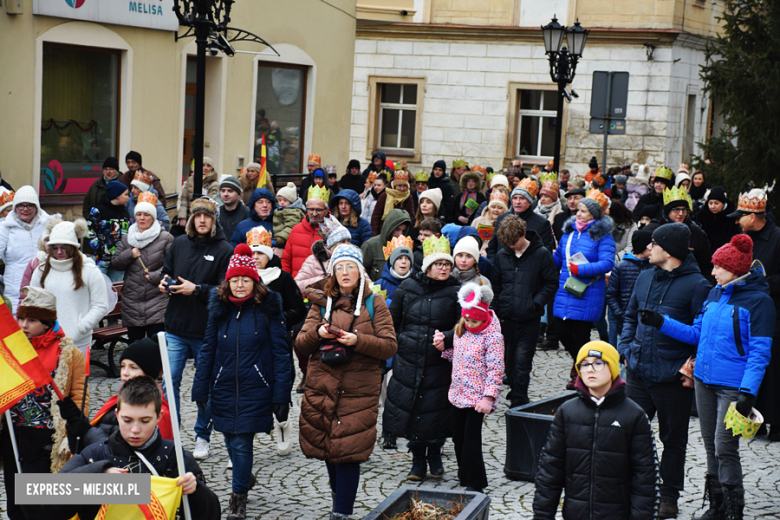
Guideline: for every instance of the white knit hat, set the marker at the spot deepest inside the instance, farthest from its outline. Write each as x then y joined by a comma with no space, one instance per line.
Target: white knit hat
145,207
468,245
434,196
500,180
26,194
350,253
68,233
681,177
254,165
643,174
289,192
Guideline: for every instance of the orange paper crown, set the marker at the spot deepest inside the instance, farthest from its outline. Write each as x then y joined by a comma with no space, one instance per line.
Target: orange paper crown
258,237
144,177
316,159
149,197
531,186
395,243
479,169
752,202
599,197
6,196
372,176
498,196
535,170
402,176
599,180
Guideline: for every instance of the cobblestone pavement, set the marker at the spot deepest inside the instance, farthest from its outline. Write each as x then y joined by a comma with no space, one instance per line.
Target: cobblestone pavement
294,487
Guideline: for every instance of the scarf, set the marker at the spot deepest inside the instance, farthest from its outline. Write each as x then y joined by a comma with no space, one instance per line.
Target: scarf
238,302
465,276
470,207
543,210
581,225
398,276
47,346
141,239
270,274
394,198
479,328
26,225
61,265
148,443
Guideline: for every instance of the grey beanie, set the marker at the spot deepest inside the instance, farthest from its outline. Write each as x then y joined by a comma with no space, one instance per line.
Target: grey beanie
620,179
522,191
398,252
232,183
593,206
674,239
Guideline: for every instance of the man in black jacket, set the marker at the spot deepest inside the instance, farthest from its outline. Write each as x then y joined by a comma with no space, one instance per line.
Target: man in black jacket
522,206
573,197
524,279
439,179
195,264
233,211
352,180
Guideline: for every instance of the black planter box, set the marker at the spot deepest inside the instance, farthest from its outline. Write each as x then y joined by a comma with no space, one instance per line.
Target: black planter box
476,506
527,428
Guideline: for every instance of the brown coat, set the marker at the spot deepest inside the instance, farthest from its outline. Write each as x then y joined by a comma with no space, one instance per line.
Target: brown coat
69,378
341,403
248,187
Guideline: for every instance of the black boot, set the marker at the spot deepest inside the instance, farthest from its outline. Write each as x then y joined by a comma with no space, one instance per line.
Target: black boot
713,492
542,332
733,502
434,461
237,507
419,466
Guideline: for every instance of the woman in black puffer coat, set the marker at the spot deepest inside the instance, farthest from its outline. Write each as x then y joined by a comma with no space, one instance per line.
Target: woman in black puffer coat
417,406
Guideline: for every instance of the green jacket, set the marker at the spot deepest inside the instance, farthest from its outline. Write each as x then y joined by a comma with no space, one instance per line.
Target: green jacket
285,219
373,255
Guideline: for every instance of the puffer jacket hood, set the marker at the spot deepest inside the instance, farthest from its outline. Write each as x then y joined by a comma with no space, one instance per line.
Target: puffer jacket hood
262,193
395,218
622,282
350,196
298,204
601,227
470,175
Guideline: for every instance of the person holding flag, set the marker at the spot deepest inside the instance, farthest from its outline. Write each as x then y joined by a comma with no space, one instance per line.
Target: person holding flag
34,434
254,176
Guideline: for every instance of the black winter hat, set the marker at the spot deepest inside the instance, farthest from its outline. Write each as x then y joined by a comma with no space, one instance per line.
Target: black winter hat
146,354
651,210
639,240
440,164
135,156
594,163
353,163
111,162
717,193
673,238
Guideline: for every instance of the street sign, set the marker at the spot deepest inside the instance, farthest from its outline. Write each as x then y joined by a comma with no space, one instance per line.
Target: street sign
616,126
618,98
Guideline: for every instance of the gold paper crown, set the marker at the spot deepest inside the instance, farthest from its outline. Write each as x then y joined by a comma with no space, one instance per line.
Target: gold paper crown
401,175
316,159
421,177
752,202
675,194
433,245
530,186
149,197
317,193
6,196
549,181
459,163
377,289
395,243
479,169
258,237
741,425
663,172
489,175
372,176
499,196
599,197
144,177
400,166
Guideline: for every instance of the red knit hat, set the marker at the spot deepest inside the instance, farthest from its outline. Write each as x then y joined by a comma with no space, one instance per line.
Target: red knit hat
242,264
474,302
736,256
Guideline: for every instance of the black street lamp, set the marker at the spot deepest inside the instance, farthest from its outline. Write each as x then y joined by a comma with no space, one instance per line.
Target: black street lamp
563,64
208,21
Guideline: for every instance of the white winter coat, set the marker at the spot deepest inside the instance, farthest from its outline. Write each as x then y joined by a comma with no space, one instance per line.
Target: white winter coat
18,246
78,312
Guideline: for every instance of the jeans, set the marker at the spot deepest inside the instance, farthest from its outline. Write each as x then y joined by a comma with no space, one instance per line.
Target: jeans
573,334
180,349
239,449
721,446
467,437
614,332
113,274
520,339
344,480
672,402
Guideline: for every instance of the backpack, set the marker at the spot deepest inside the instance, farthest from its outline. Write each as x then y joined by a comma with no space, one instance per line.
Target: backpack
369,307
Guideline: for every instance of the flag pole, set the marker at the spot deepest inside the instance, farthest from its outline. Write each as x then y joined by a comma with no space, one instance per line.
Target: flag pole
12,434
174,417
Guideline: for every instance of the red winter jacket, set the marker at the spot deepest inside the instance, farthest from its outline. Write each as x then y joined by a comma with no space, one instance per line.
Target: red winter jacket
298,246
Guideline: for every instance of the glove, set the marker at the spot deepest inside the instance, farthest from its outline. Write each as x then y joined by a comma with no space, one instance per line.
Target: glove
76,429
651,318
573,269
745,403
281,411
68,409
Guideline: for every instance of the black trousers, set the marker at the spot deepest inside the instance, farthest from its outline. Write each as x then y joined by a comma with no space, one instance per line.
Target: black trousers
573,334
466,424
35,446
148,331
520,339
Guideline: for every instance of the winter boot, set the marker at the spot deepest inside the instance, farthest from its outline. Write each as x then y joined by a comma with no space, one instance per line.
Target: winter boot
339,516
237,507
434,461
419,465
573,375
733,502
713,492
542,332
668,509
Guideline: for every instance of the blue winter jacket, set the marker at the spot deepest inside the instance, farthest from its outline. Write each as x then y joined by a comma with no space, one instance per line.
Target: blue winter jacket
244,364
734,334
390,283
598,246
652,356
254,220
622,282
362,231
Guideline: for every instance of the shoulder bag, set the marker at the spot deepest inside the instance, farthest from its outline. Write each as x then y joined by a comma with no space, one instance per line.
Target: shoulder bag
574,285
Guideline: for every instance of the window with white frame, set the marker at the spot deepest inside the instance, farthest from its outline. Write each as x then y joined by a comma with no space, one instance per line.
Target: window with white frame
536,120
397,116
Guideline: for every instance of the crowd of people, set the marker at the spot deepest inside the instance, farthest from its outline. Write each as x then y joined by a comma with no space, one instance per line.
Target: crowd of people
417,293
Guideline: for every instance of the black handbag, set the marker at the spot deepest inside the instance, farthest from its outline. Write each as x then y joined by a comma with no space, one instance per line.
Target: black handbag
332,352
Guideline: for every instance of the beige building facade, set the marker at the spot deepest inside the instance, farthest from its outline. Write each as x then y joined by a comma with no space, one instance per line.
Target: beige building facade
482,87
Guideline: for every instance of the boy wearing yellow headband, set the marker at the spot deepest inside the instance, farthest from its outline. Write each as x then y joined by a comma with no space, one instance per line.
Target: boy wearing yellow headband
600,448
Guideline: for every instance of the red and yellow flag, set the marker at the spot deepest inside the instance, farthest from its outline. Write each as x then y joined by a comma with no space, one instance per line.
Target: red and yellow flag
261,180
166,496
21,371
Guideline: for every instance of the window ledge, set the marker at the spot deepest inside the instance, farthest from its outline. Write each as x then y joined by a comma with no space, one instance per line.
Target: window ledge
396,153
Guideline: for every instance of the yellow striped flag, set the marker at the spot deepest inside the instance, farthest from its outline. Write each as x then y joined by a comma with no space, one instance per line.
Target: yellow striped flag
166,496
261,180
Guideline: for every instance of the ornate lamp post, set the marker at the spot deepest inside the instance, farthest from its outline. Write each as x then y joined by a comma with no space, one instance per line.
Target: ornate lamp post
563,64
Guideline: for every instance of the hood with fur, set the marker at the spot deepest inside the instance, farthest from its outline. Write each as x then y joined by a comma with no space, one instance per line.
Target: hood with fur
596,231
470,175
320,251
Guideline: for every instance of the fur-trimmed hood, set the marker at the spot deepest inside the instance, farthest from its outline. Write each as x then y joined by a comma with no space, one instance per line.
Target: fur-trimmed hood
216,230
596,231
470,175
320,251
271,307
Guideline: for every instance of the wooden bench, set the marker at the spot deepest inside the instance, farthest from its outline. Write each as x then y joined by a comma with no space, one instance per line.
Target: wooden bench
110,334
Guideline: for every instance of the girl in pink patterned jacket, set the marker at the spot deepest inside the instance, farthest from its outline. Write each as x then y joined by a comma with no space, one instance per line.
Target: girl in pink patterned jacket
477,357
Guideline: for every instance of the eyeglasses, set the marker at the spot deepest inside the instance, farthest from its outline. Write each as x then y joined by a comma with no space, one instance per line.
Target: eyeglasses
442,265
678,210
58,248
344,268
25,205
315,210
597,366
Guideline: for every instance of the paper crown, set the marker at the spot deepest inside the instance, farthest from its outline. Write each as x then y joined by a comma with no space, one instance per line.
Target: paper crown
377,289
459,163
479,169
535,170
401,176
143,176
317,193
149,197
489,175
395,243
316,159
675,194
499,196
421,177
599,180
433,245
549,181
329,225
258,237
517,162
752,202
6,196
372,176
550,164
662,172
599,197
530,185
330,169
741,425
684,168
400,166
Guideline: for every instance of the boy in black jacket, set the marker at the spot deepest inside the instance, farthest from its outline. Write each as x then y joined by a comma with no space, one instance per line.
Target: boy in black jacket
138,410
600,449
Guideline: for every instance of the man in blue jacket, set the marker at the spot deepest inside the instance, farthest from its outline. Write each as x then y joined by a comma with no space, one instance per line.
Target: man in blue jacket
675,286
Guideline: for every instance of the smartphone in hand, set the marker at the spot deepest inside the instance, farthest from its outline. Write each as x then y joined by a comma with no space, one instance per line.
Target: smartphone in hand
332,329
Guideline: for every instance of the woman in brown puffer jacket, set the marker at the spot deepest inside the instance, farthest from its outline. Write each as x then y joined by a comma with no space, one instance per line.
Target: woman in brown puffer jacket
341,402
141,254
